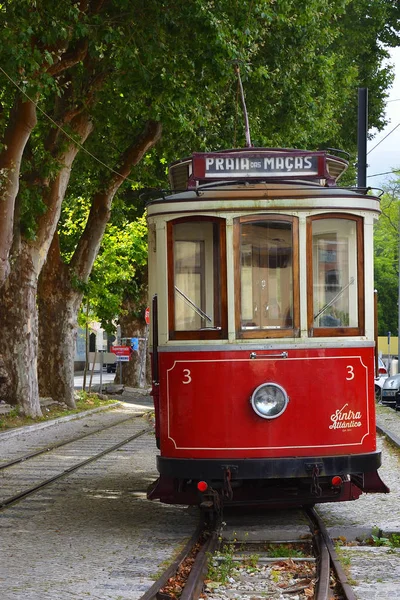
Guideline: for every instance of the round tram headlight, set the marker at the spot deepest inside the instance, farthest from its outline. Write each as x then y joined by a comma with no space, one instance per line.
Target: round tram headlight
269,400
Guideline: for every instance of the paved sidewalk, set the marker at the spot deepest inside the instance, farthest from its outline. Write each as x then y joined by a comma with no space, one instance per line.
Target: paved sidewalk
139,399
388,423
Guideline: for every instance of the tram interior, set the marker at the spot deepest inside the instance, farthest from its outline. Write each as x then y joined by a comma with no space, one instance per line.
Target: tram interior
266,274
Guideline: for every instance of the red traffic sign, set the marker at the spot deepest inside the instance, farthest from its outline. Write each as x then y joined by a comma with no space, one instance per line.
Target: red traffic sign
147,315
121,351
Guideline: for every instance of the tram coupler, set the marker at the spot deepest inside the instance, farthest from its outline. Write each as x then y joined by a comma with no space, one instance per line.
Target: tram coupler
212,507
315,471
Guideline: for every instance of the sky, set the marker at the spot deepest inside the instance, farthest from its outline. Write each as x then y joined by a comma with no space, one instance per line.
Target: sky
386,155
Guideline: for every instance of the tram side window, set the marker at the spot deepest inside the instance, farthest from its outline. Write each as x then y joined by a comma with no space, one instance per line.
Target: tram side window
335,275
266,278
196,279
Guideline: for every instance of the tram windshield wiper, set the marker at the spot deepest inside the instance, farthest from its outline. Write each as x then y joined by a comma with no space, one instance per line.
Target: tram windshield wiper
196,308
328,304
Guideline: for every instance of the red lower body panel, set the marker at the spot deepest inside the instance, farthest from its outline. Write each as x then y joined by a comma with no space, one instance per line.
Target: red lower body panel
208,430
205,408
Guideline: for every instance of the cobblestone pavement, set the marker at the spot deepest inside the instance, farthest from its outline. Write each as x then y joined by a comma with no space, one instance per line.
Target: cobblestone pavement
93,534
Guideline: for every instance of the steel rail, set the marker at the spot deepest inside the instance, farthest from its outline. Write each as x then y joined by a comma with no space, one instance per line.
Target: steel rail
13,499
348,593
60,444
324,571
153,592
195,582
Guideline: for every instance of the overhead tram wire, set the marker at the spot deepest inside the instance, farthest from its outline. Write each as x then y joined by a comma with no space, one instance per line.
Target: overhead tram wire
386,136
63,130
393,172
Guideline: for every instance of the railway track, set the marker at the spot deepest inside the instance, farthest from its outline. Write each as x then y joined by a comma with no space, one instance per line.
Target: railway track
304,562
49,447
27,474
329,561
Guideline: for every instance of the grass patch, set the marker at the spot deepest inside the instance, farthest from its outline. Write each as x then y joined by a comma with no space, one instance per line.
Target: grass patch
221,564
83,400
392,540
284,550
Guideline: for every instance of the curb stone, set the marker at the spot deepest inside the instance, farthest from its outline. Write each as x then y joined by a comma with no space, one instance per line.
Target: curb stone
391,436
28,428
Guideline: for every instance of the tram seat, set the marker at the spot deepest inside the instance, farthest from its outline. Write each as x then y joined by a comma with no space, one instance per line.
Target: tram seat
329,321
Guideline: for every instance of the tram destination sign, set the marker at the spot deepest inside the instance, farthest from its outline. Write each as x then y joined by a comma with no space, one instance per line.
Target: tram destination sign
257,164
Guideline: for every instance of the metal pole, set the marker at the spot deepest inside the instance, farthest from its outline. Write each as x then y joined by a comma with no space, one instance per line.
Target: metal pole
376,330
143,357
362,137
398,302
86,349
245,114
92,371
101,371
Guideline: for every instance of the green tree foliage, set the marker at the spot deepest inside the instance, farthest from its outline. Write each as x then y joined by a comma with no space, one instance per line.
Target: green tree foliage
298,58
110,71
386,250
123,251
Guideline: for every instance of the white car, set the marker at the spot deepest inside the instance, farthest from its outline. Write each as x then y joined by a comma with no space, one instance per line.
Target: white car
380,379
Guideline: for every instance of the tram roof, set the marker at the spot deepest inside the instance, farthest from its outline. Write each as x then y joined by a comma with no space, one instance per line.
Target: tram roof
242,199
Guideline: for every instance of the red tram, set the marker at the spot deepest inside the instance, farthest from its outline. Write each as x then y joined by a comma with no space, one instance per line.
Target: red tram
261,275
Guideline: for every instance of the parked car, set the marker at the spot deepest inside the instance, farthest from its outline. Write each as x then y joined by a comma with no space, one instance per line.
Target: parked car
391,392
111,367
380,379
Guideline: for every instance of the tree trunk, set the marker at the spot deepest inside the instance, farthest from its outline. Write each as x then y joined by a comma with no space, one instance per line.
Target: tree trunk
18,326
57,345
22,121
58,305
18,315
136,373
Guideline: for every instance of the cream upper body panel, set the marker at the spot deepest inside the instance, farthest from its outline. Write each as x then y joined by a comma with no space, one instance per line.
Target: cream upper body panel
263,197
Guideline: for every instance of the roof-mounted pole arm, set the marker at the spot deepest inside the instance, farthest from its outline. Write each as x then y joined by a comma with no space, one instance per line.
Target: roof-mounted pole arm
246,118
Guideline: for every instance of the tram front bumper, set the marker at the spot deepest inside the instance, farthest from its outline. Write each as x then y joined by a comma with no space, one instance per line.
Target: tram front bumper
268,468
269,482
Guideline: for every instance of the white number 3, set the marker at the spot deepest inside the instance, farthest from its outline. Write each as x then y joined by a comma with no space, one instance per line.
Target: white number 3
187,376
350,371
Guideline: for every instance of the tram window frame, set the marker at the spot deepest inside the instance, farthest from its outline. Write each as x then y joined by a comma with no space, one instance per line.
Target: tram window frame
219,281
279,332
339,331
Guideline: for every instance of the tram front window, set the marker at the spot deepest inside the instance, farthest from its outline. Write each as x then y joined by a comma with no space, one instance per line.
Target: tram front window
266,277
196,284
335,280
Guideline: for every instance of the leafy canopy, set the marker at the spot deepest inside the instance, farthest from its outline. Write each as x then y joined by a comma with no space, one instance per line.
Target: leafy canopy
386,250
